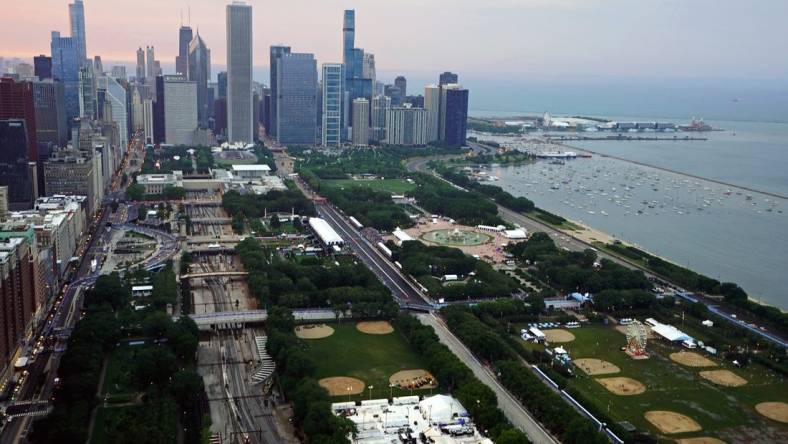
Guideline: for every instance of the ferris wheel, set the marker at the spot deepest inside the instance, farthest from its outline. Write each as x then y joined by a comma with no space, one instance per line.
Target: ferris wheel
637,336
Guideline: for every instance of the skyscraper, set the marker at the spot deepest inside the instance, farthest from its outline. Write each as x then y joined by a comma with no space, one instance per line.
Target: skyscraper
239,73
446,78
432,103
406,126
368,70
51,126
17,102
199,68
296,106
395,93
98,66
116,95
65,68
150,64
454,115
15,169
140,73
356,83
333,96
180,110
276,53
401,83
221,83
380,105
17,294
182,59
360,122
76,14
348,41
42,67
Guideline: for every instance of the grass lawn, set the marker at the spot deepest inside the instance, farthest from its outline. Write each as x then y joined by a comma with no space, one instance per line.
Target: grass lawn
370,358
670,386
118,378
393,186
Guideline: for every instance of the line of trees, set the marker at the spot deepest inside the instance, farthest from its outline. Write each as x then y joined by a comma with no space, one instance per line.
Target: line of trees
438,197
496,193
256,205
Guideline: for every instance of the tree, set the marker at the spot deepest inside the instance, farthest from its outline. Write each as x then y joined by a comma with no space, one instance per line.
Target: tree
275,223
135,192
237,223
186,386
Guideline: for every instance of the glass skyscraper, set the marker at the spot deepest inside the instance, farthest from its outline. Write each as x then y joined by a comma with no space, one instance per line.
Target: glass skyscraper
15,171
333,96
76,15
199,67
65,68
276,54
296,106
239,73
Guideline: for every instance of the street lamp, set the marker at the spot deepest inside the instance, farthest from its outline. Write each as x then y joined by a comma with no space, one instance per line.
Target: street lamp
370,391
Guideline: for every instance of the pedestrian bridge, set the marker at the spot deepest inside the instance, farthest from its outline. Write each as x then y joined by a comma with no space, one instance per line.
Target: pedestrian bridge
207,320
213,274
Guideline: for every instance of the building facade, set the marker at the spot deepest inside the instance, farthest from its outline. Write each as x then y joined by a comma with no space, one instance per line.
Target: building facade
360,122
454,115
72,173
17,169
76,14
380,105
333,96
182,59
42,67
199,69
65,68
432,103
296,106
239,73
406,126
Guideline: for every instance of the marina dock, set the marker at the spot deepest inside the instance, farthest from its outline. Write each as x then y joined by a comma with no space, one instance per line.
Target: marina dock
623,137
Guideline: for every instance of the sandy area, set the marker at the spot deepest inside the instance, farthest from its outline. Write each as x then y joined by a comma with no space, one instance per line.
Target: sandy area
490,252
413,379
700,440
313,331
588,234
622,386
375,327
338,385
558,335
594,366
692,359
672,422
777,411
723,377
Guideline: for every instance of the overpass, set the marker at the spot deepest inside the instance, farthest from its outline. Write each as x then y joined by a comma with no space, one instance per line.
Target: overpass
206,320
213,274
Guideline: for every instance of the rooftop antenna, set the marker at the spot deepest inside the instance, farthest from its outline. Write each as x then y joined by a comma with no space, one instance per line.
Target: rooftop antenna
190,15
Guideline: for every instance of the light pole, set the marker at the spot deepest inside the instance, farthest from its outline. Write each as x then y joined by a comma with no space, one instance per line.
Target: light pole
370,392
348,394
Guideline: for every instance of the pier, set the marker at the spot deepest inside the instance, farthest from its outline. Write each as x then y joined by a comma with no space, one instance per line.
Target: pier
624,137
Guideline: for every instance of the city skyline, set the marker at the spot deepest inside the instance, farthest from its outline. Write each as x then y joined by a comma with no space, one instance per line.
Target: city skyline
535,40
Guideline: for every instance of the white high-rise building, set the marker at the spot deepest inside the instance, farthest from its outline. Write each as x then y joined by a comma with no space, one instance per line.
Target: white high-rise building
360,122
432,103
115,94
180,110
333,96
239,73
380,104
406,126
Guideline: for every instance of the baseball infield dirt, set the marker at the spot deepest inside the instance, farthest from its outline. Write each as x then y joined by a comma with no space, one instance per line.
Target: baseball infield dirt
558,335
672,422
417,379
777,411
339,385
724,378
692,359
622,386
593,366
314,331
375,327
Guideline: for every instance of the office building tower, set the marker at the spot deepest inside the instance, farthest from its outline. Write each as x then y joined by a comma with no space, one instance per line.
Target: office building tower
118,72
380,104
17,294
137,111
296,106
368,68
454,115
221,83
265,110
147,119
140,73
72,172
88,100
395,93
17,102
447,78
65,68
76,14
332,98
150,60
182,59
356,83
42,67
348,41
117,97
175,113
98,66
406,126
16,171
239,73
432,103
275,54
360,122
199,68
401,83
3,202
220,115
51,124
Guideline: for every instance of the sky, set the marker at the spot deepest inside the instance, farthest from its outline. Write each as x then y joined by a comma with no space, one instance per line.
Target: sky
540,38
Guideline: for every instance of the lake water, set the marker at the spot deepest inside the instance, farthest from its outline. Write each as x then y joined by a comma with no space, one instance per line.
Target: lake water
719,230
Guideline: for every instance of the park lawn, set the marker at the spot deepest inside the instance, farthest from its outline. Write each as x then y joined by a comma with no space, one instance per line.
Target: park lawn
670,386
393,186
155,416
118,379
370,358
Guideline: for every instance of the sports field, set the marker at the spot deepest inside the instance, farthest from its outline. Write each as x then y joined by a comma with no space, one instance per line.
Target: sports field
393,186
371,358
721,411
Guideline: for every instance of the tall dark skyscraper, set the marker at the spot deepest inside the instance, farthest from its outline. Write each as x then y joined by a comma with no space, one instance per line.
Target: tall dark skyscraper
447,78
199,68
15,170
51,125
65,68
185,37
276,54
348,41
454,112
76,15
16,102
402,84
42,66
296,114
221,80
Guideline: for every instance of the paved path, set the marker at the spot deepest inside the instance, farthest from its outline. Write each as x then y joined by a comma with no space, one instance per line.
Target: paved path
513,410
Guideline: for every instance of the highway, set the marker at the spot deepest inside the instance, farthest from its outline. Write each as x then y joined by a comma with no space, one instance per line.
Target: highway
512,408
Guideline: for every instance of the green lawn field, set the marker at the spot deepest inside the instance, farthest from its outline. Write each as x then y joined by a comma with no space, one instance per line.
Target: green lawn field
722,411
393,186
370,358
117,380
